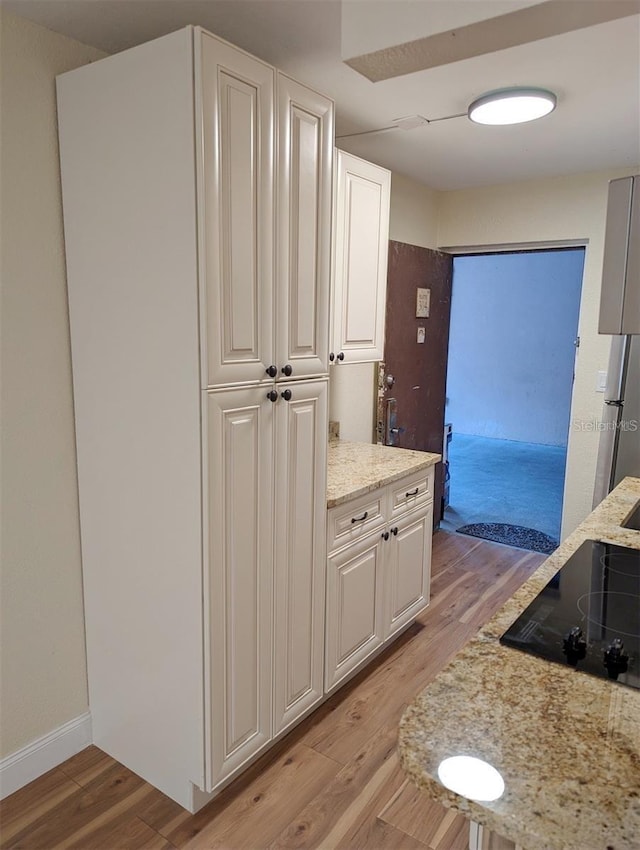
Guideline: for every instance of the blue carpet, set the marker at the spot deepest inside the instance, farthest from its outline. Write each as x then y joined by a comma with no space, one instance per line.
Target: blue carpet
503,481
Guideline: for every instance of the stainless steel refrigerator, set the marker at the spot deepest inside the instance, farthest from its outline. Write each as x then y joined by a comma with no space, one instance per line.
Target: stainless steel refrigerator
619,426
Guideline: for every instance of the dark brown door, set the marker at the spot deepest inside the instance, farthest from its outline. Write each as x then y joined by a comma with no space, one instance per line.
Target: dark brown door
419,369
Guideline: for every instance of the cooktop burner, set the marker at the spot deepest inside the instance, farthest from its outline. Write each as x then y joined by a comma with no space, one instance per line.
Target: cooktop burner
588,615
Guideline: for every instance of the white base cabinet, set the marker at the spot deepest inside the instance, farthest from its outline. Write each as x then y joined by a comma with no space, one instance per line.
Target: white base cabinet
266,485
354,607
378,570
407,569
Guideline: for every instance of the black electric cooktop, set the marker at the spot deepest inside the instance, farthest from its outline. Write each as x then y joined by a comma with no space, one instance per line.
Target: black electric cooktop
588,615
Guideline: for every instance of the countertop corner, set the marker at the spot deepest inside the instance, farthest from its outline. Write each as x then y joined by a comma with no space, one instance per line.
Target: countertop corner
567,744
357,468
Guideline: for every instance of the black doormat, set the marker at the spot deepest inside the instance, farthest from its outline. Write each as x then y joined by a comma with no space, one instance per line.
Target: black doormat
511,535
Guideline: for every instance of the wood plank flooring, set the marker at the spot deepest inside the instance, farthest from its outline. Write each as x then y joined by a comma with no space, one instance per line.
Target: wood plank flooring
334,783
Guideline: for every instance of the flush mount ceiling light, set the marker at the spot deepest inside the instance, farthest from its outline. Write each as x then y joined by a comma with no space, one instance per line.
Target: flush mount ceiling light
501,107
512,106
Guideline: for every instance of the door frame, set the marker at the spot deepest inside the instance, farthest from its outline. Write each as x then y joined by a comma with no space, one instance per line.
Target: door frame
548,245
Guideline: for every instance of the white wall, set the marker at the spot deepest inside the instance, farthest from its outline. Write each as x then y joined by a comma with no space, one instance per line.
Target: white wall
42,643
564,208
412,219
514,319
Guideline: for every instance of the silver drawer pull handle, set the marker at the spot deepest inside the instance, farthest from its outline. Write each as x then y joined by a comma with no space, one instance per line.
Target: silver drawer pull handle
360,518
412,493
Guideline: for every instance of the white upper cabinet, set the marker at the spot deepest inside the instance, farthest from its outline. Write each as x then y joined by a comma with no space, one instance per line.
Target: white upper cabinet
361,237
237,221
303,269
267,149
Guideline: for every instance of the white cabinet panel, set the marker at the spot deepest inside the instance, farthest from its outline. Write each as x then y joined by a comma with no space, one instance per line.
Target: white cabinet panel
300,523
361,237
407,569
354,607
127,157
305,158
237,222
240,486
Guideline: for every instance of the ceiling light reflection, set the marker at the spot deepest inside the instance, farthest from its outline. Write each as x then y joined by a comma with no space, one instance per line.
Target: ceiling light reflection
472,778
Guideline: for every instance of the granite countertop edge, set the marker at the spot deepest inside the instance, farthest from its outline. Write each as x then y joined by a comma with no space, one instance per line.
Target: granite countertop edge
484,649
355,469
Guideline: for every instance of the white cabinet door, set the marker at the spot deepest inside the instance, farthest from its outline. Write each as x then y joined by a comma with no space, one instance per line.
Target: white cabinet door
354,607
305,159
300,529
235,93
360,262
407,569
239,594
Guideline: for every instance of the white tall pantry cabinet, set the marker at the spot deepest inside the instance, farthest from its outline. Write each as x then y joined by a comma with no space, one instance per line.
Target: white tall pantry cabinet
197,203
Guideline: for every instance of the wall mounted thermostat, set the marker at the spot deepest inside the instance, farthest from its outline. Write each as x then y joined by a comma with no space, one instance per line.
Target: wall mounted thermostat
423,303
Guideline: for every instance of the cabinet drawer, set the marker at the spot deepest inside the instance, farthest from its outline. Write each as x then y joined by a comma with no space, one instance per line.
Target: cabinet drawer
410,492
354,519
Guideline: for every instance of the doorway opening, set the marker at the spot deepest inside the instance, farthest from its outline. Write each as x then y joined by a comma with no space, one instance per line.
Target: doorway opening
511,362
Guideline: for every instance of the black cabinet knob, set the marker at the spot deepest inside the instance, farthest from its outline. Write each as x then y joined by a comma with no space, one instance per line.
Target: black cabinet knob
272,395
287,370
332,357
341,356
271,371
574,645
616,659
286,395
394,531
385,535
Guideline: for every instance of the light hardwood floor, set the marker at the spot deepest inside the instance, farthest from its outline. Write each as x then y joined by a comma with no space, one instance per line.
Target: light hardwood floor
334,783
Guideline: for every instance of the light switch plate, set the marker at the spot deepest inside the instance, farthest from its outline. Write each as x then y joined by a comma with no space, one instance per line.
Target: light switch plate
423,303
601,384
421,334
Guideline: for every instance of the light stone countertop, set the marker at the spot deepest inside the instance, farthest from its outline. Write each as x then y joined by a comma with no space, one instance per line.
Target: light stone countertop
357,468
566,743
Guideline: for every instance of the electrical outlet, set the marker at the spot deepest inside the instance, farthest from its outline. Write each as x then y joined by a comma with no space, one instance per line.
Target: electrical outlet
421,334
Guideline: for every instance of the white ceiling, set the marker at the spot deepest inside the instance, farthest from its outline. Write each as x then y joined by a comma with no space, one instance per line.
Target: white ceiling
595,72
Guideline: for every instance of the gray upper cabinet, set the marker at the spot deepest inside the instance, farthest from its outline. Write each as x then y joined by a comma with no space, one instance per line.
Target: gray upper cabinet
620,297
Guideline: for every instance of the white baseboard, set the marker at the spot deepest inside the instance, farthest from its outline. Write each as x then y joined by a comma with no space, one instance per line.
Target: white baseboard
42,755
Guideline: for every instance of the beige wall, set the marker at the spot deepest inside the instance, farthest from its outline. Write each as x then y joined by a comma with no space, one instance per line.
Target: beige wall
42,643
412,219
566,208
